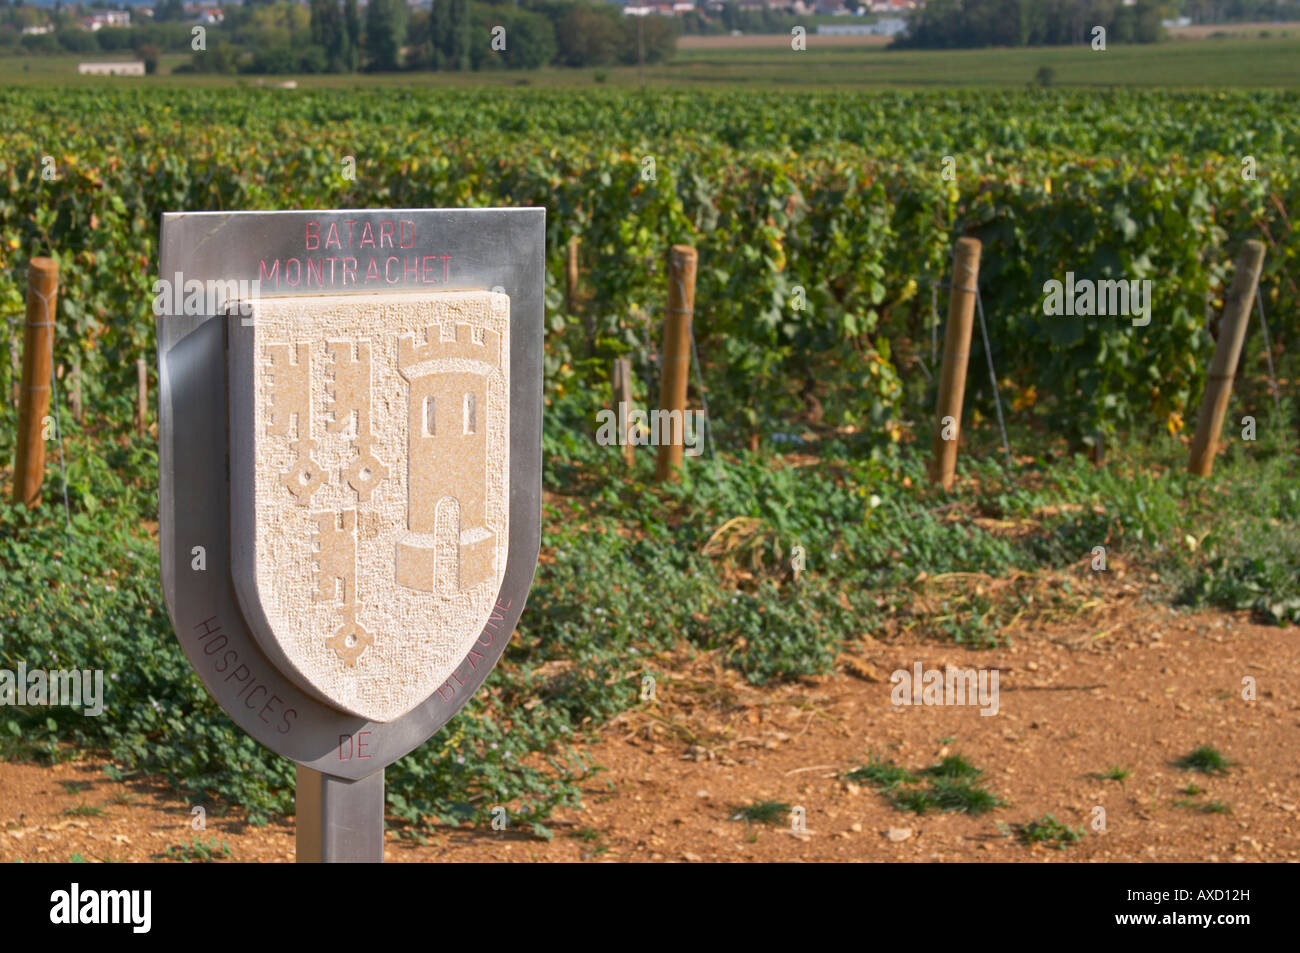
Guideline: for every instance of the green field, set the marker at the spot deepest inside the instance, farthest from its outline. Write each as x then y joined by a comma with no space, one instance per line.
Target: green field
1273,62
1264,62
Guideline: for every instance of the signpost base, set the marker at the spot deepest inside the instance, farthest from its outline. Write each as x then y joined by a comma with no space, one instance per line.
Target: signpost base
339,821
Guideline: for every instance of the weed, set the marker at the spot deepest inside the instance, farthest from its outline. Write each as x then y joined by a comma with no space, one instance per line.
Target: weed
1048,830
1205,760
954,767
198,851
959,796
1205,807
1113,773
594,839
882,775
84,810
762,812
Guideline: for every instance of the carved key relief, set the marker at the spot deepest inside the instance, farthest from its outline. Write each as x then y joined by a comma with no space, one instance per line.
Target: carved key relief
381,480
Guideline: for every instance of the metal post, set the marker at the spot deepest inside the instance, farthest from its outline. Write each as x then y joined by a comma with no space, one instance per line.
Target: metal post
339,821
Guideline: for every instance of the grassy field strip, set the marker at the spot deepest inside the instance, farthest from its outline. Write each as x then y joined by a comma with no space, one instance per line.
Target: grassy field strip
1254,61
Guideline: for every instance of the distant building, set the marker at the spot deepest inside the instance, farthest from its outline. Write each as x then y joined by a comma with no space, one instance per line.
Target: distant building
661,9
113,18
37,30
885,27
113,68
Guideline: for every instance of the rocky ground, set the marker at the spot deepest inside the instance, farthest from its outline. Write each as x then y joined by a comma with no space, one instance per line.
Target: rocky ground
1136,687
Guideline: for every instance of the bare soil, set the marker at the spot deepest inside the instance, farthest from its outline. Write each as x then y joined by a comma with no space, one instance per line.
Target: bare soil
1137,685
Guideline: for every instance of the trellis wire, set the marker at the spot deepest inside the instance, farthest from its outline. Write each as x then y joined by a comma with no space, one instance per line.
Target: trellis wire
993,379
13,352
988,354
934,325
709,442
653,365
699,380
1268,352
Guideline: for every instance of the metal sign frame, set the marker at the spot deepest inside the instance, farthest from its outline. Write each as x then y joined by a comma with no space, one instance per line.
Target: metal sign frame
435,249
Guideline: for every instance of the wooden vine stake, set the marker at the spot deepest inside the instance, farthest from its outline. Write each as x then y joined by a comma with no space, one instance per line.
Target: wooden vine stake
571,277
571,293
1223,367
682,260
622,382
956,355
141,396
75,397
34,394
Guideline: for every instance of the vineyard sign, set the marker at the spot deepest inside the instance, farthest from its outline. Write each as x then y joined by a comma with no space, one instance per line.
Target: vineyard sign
350,468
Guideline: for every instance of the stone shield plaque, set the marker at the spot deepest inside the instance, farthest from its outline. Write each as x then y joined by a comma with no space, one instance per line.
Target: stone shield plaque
369,487
350,465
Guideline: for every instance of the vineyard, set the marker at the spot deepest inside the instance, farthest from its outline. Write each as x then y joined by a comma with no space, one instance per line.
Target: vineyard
841,196
824,224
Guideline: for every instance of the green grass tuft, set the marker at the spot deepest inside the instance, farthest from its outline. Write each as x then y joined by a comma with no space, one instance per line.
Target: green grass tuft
198,852
959,796
85,810
1206,807
1205,760
1113,773
883,775
762,812
1048,830
954,766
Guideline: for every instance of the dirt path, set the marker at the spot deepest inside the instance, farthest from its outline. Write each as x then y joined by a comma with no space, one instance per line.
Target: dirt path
1140,690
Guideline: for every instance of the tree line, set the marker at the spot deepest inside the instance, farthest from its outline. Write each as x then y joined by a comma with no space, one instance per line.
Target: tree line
1236,11
957,24
336,36
343,36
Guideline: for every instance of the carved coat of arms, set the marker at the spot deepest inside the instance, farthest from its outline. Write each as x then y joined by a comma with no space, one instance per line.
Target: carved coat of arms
370,497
